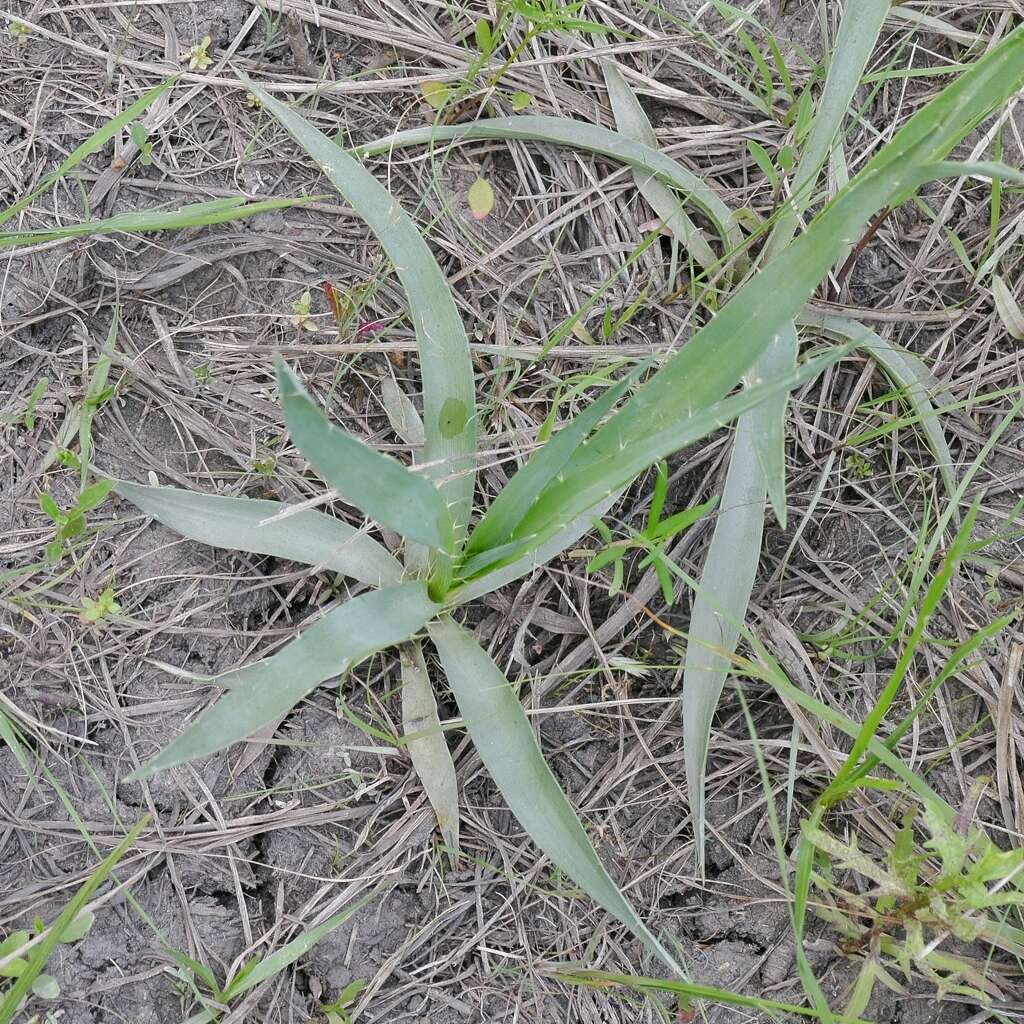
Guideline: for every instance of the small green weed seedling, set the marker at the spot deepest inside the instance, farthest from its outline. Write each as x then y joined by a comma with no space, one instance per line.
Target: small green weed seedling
95,610
216,1000
13,965
302,312
199,58
912,907
654,539
27,417
338,1011
23,956
71,522
140,136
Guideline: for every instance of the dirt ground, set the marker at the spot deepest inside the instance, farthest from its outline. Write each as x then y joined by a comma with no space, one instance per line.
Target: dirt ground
249,848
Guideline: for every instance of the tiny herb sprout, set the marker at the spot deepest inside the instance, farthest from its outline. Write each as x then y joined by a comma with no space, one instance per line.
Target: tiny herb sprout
140,136
71,522
45,985
95,610
19,31
302,312
859,466
199,58
27,417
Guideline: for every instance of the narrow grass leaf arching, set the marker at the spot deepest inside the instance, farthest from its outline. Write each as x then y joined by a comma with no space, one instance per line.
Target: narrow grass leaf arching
93,144
449,392
425,741
720,603
267,528
579,135
378,485
504,738
589,480
261,692
195,215
632,122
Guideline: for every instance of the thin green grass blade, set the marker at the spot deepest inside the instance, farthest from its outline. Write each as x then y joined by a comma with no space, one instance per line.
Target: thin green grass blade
449,392
906,371
262,692
508,747
216,211
377,484
719,607
855,42
809,980
769,418
632,122
284,957
41,954
267,528
424,739
579,135
690,990
93,144
500,520
929,605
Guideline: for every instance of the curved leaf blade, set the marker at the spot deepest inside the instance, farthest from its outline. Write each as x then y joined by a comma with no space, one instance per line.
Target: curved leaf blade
267,528
769,418
449,392
719,609
855,42
216,211
537,557
588,484
508,747
907,372
262,692
378,485
424,739
632,121
579,135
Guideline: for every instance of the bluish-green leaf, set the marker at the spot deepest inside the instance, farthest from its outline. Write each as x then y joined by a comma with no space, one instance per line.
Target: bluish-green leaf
449,393
262,692
267,528
544,465
379,485
504,738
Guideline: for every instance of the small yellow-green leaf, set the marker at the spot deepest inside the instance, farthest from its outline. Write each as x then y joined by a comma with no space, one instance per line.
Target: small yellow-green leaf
1007,308
45,987
452,420
481,198
521,100
435,93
